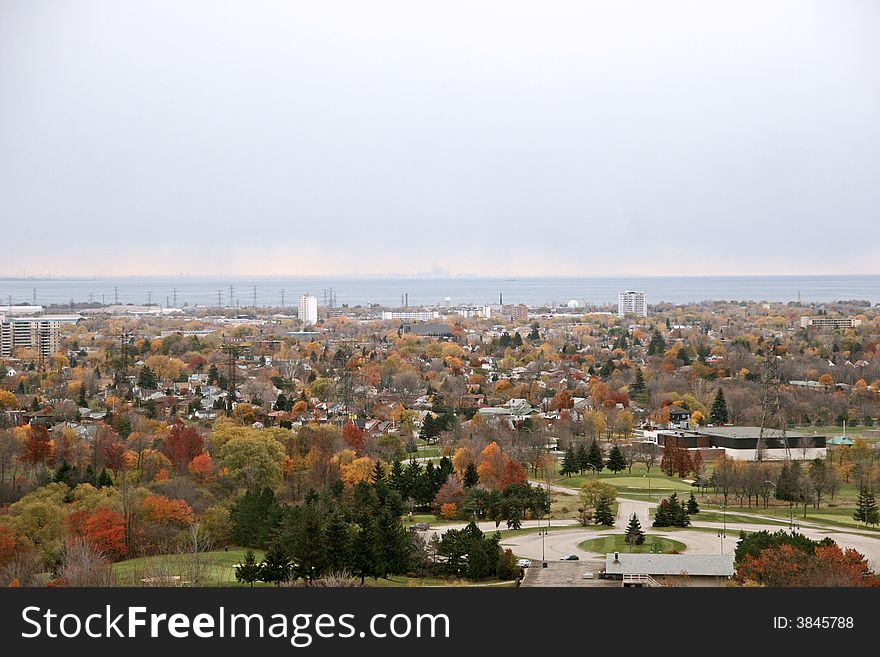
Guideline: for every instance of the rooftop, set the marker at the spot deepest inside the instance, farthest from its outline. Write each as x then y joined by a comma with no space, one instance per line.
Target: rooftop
750,432
720,565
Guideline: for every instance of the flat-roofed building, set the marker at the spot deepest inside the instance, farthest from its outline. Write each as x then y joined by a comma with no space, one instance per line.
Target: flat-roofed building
741,443
830,322
40,333
632,302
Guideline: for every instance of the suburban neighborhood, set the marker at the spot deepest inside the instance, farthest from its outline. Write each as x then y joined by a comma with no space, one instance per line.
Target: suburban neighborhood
714,444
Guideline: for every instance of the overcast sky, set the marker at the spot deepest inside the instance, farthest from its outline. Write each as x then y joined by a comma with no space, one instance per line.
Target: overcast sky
259,137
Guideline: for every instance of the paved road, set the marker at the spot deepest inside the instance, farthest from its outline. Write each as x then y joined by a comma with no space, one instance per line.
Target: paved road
554,545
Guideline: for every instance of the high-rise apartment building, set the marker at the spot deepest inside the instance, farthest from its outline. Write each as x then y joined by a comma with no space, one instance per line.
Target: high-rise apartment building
38,333
308,309
630,302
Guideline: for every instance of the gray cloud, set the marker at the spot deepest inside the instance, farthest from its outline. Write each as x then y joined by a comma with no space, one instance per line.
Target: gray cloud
312,138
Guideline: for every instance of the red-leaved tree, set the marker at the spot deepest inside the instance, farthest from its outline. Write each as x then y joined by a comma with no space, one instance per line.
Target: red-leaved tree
182,445
103,529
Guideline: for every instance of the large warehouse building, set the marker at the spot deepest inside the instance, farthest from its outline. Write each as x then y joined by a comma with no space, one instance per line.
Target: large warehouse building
741,443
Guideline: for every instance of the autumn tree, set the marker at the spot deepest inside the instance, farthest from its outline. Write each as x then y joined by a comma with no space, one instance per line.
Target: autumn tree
182,445
103,529
202,467
37,446
490,466
353,437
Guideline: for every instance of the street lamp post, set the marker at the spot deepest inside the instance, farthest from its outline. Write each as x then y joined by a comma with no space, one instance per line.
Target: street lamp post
650,497
723,533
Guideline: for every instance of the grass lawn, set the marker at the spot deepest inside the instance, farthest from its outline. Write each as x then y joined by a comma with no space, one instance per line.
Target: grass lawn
631,484
217,567
617,543
717,516
407,582
429,518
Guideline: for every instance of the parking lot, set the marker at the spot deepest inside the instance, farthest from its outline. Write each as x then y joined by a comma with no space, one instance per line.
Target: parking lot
567,573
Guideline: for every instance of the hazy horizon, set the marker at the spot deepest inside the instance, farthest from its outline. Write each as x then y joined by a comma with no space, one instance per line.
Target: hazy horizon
279,138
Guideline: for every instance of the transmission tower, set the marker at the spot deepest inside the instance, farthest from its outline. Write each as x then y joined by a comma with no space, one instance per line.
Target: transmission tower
232,348
772,413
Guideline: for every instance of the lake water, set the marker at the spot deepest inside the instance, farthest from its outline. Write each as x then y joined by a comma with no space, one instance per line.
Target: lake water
429,291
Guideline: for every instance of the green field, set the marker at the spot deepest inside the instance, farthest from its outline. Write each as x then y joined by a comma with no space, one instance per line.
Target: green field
617,543
216,568
717,516
636,485
411,582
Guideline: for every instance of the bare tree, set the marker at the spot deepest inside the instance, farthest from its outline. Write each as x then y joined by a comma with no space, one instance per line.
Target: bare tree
22,569
650,453
82,565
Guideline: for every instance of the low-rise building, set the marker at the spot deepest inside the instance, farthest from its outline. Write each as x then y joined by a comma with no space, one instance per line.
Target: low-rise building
830,322
697,570
741,443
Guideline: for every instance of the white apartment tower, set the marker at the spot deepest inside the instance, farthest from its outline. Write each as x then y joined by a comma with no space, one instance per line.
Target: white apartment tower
630,302
308,309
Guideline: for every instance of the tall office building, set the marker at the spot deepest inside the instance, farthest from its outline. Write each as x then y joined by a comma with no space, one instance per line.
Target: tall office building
308,309
630,302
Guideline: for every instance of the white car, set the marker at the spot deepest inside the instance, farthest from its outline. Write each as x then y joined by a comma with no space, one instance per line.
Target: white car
524,563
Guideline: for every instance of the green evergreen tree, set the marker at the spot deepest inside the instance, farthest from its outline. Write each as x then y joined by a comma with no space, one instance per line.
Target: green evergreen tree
595,456
616,461
337,538
866,507
147,379
304,537
657,345
248,571
692,506
89,475
603,514
662,516
255,517
276,566
678,512
569,462
396,476
471,476
281,403
378,476
634,533
428,429
364,550
582,457
719,414
103,479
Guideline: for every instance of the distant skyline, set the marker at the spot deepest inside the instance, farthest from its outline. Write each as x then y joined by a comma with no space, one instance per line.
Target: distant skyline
285,138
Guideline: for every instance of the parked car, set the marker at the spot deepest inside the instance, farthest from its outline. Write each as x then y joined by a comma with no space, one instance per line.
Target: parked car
524,563
570,557
419,527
